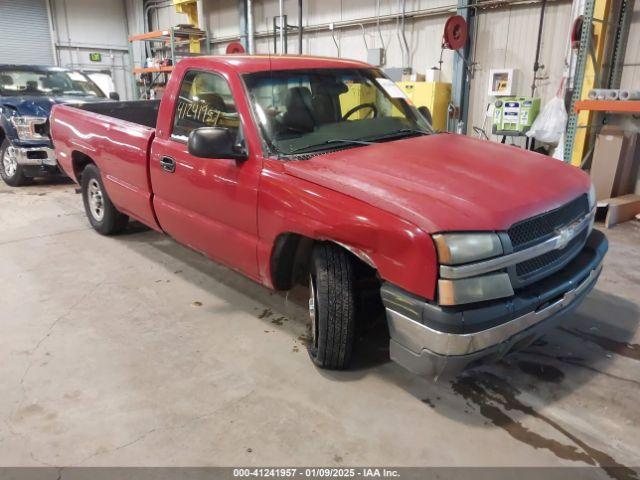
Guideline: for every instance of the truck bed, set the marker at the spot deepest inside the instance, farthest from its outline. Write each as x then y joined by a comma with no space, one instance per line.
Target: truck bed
142,112
117,137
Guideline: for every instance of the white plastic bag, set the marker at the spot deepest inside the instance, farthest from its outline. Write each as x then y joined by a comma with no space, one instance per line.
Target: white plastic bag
549,125
558,152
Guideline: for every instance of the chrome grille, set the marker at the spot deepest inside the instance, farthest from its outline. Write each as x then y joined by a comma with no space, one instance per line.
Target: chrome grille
549,259
536,229
541,227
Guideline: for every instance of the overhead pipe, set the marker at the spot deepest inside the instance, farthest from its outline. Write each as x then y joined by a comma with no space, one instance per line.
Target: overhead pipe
244,31
202,22
282,25
152,5
398,38
299,27
148,6
378,24
364,36
250,32
413,14
400,34
536,63
404,45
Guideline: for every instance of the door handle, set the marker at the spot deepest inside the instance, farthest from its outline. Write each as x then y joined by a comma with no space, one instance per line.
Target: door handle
168,164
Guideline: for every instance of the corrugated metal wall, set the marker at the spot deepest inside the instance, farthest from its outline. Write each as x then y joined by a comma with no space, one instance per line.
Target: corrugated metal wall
16,47
506,38
631,72
88,26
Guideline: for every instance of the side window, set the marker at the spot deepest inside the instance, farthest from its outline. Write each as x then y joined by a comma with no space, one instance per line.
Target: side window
205,100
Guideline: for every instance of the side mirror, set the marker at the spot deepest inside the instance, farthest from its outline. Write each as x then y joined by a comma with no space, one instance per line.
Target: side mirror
426,114
215,142
114,96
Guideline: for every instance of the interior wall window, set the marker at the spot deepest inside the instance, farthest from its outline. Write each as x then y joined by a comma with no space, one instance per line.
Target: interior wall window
205,100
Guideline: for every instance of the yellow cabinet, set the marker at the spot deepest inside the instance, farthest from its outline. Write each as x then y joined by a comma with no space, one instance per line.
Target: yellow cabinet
434,95
357,94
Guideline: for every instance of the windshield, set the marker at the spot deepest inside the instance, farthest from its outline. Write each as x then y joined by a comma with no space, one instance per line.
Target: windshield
56,83
311,110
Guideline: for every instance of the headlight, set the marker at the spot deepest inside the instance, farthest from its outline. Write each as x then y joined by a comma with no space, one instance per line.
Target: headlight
592,197
456,248
474,289
27,127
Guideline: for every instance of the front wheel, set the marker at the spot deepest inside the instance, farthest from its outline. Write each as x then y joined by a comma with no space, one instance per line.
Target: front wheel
10,171
331,307
102,214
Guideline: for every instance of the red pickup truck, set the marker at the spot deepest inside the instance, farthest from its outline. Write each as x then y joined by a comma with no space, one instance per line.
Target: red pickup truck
320,171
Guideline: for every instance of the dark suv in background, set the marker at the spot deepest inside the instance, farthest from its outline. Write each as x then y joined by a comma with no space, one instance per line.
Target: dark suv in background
27,94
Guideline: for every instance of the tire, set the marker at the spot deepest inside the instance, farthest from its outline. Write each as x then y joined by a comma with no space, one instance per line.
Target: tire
103,216
331,307
10,171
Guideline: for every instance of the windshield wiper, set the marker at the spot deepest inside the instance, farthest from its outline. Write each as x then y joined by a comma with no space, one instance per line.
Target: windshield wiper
403,132
321,146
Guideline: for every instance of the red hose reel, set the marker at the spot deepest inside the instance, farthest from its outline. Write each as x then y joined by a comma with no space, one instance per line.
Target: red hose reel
456,33
235,48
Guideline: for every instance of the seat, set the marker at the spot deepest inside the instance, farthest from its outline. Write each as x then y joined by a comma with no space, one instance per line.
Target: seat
32,86
6,80
325,102
299,116
53,83
213,100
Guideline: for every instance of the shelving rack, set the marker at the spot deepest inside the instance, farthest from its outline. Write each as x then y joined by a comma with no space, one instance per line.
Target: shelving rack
602,74
170,43
578,82
618,106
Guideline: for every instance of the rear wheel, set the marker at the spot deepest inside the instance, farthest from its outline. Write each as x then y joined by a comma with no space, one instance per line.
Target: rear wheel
10,171
331,307
102,214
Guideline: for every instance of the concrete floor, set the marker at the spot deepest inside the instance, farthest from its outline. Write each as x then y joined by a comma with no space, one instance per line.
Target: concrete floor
134,350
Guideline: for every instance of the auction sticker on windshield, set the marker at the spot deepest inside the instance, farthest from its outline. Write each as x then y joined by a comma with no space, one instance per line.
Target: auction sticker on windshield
391,88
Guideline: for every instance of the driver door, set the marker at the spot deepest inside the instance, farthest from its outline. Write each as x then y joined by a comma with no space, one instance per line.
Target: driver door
209,204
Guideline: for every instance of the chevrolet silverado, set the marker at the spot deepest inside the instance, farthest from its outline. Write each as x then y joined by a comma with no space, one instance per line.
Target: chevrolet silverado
319,171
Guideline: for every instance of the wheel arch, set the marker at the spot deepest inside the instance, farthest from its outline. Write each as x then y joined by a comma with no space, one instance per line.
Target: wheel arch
291,253
79,161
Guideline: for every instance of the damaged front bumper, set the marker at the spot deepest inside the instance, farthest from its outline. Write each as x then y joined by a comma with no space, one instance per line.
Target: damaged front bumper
436,341
36,156
37,161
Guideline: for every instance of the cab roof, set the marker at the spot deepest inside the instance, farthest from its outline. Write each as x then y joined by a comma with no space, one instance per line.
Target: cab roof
258,63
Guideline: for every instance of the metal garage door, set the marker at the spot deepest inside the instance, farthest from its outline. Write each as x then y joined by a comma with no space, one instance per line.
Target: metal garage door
26,37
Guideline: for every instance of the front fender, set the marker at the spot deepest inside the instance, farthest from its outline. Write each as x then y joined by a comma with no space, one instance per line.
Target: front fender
401,252
7,130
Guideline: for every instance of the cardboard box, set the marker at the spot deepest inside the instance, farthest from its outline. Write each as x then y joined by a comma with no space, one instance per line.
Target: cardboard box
629,167
619,209
615,162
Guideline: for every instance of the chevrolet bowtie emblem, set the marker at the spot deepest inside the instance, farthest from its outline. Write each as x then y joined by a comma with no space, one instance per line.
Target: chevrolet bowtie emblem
564,235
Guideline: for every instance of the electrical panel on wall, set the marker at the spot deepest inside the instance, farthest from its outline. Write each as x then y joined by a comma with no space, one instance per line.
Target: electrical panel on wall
375,56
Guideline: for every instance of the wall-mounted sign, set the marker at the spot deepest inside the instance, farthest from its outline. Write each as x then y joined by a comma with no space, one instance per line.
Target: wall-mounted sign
95,57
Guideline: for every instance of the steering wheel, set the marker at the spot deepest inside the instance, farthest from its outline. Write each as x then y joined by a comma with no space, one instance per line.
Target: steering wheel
372,106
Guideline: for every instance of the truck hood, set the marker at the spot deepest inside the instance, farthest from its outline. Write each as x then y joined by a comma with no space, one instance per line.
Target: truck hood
447,182
40,106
